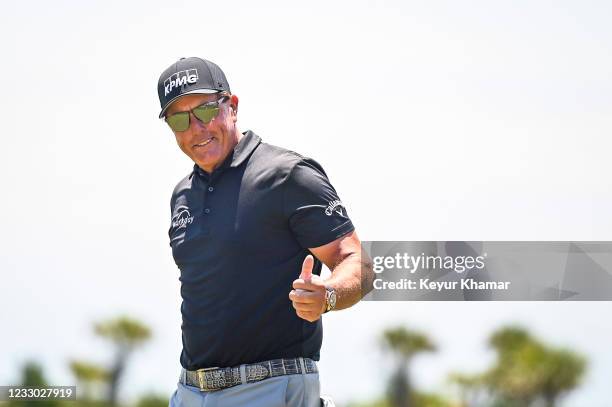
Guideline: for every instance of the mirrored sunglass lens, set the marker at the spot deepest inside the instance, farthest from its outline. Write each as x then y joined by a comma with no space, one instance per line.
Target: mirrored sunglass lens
179,121
206,113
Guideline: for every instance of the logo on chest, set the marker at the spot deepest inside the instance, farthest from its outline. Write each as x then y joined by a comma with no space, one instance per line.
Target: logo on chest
182,218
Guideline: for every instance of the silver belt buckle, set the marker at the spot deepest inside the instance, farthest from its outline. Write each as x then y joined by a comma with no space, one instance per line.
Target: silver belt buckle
202,379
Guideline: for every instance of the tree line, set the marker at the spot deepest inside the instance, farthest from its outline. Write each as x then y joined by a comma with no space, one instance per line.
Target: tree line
526,372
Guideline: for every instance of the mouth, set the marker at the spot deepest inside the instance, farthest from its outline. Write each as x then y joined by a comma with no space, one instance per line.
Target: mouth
204,143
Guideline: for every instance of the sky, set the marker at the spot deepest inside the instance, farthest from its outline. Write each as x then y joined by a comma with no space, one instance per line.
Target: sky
435,120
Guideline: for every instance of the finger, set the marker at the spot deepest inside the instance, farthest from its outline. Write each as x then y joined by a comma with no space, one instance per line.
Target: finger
305,295
297,295
302,285
306,306
308,316
315,284
302,300
307,267
303,307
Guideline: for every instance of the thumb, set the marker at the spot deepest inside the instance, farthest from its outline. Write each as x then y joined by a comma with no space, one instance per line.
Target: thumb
307,266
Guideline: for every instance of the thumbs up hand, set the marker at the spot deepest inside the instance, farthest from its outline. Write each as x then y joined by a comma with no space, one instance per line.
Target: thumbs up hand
308,295
307,267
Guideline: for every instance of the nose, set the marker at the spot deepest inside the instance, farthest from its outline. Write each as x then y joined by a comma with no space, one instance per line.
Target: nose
196,123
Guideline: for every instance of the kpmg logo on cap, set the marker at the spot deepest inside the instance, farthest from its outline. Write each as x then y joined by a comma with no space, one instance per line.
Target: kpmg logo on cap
179,79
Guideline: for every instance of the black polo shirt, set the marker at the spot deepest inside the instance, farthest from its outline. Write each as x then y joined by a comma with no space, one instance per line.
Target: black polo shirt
239,236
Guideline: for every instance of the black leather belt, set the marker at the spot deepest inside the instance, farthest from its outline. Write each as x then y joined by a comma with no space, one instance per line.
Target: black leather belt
218,378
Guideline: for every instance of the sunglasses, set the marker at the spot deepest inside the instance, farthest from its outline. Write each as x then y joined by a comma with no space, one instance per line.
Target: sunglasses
205,113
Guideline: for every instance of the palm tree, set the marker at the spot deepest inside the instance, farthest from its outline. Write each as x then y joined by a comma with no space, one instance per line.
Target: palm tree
32,375
404,344
470,387
126,334
527,370
564,371
88,376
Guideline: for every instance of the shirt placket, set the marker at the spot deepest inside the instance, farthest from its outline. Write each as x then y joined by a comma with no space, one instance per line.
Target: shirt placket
210,186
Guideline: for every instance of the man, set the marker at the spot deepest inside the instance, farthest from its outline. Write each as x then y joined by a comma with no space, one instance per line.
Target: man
245,224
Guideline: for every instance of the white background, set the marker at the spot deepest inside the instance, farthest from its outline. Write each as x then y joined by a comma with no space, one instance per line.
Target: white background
435,120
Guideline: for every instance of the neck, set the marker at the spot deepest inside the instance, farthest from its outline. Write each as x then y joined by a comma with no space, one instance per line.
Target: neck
236,136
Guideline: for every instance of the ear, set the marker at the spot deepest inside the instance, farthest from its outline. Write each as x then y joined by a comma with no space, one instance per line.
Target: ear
234,107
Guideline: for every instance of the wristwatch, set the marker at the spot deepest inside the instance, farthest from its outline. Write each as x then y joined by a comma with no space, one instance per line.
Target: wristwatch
330,299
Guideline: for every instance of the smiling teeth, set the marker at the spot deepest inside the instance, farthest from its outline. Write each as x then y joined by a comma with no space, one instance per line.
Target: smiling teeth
204,143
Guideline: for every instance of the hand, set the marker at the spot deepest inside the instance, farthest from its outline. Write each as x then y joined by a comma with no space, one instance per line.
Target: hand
308,296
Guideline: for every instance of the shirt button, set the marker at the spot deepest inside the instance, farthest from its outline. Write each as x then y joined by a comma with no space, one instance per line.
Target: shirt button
210,189
207,210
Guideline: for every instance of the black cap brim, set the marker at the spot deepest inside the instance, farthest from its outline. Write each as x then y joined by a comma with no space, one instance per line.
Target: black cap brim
191,92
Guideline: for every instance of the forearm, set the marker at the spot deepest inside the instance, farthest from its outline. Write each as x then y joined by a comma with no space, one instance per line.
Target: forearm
352,278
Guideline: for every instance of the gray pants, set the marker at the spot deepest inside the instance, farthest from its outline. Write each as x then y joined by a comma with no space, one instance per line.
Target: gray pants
298,390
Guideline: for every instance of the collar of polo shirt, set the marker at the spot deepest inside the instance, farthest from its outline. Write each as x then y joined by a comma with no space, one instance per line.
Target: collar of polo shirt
241,152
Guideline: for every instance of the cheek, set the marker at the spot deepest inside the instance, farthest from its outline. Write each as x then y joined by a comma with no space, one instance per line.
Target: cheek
225,123
180,141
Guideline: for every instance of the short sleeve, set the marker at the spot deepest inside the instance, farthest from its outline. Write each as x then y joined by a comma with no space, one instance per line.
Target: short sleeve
316,214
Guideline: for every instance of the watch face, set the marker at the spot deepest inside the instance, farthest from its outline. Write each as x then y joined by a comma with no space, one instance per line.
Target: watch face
331,299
